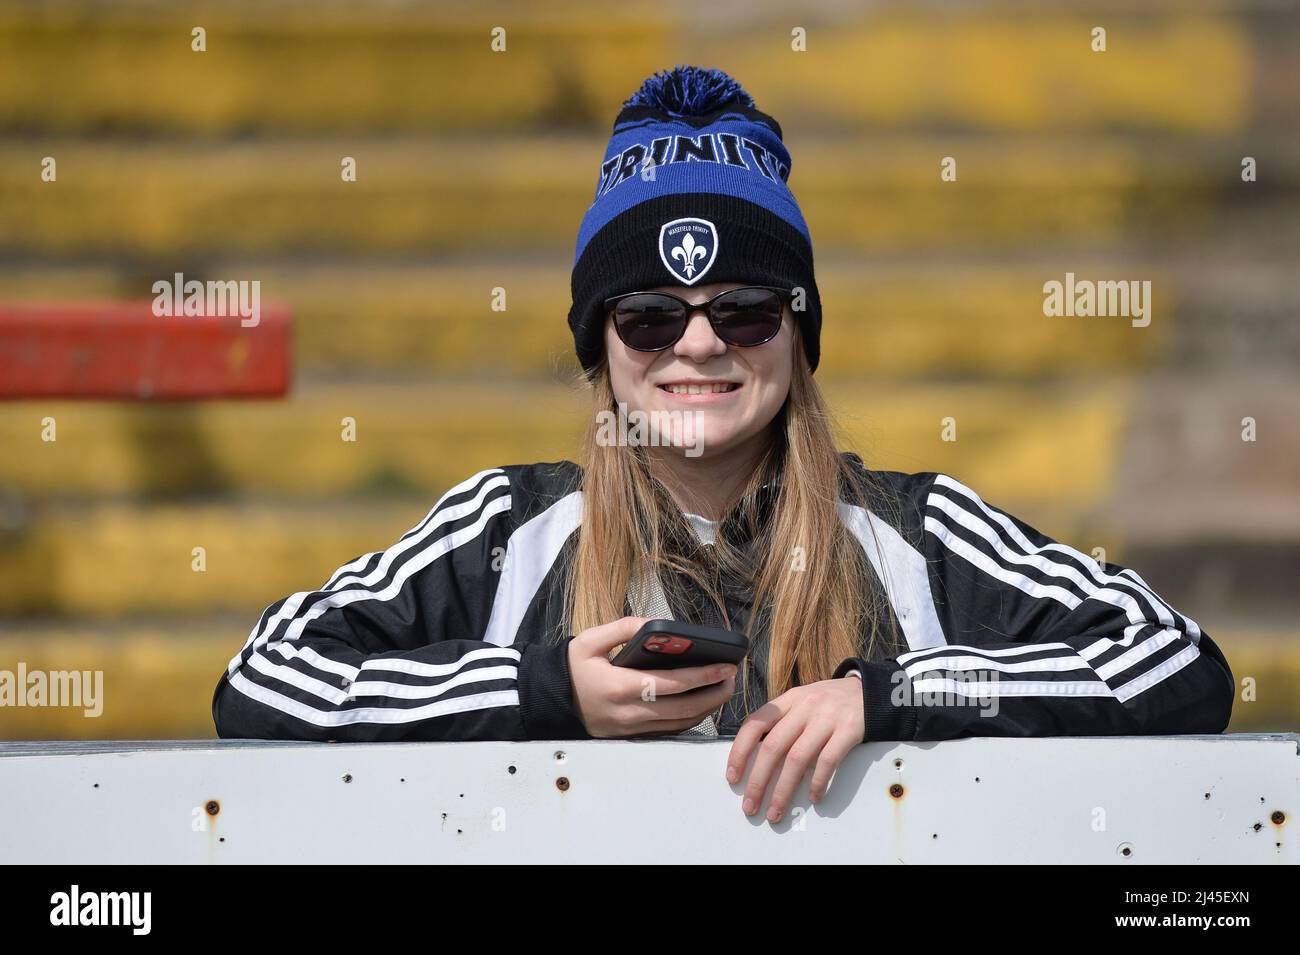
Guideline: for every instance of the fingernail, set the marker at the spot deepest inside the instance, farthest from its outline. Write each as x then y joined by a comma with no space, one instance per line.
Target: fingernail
773,814
732,774
748,807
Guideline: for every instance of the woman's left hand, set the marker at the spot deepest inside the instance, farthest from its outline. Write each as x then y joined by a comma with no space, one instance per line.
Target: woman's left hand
814,725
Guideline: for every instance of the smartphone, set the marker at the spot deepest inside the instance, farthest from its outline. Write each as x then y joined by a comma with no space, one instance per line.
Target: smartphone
669,644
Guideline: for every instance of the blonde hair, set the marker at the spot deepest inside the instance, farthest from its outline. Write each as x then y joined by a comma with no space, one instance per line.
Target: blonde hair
813,584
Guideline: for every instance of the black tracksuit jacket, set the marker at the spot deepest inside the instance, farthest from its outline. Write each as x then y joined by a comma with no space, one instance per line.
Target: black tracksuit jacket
455,631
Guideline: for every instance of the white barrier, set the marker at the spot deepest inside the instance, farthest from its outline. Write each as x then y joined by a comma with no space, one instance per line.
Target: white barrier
1094,800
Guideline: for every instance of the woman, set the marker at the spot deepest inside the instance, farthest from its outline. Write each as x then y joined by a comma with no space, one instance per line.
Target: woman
879,605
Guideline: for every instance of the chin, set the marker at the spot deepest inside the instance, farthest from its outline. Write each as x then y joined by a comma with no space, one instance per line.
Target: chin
712,441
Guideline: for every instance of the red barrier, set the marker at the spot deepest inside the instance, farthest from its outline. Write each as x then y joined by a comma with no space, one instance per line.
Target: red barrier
122,350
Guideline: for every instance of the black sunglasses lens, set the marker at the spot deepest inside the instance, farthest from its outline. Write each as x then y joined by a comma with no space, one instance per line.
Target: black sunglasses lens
649,321
748,316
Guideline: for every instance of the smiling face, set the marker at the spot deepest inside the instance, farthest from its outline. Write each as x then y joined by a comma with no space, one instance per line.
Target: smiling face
735,391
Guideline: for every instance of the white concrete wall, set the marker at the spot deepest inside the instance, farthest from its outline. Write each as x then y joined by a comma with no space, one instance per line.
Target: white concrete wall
1163,799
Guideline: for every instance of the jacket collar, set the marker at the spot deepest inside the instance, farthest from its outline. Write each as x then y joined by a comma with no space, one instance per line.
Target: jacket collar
734,526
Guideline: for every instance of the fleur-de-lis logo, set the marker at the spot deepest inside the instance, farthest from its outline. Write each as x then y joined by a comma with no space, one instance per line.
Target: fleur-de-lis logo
688,248
688,252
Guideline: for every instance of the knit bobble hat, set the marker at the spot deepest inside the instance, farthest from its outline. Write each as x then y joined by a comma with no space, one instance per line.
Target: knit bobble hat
693,188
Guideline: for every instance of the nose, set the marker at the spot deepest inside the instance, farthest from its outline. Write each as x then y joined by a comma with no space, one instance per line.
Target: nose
699,342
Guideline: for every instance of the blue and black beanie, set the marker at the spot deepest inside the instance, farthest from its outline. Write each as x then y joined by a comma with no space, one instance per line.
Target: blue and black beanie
692,189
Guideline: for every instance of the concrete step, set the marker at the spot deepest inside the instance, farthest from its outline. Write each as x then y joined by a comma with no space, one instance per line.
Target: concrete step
160,206
1034,443
302,67
156,677
110,561
881,319
1206,491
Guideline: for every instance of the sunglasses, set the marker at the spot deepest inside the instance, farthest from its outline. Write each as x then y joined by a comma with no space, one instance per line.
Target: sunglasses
653,321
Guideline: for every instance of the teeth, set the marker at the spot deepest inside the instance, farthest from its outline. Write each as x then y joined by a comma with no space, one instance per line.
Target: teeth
699,389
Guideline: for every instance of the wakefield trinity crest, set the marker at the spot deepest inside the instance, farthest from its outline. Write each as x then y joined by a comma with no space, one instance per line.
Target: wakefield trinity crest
688,248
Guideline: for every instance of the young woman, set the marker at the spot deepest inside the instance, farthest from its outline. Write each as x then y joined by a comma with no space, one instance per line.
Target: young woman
879,605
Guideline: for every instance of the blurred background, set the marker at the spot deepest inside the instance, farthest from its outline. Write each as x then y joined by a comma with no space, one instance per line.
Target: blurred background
474,168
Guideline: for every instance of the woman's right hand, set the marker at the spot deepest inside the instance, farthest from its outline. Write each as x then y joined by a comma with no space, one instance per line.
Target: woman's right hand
616,702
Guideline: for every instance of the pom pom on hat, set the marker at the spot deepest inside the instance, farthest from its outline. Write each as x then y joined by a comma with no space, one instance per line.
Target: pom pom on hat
689,91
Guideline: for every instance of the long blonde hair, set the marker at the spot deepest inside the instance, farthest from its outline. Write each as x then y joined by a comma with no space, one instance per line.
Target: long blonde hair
814,585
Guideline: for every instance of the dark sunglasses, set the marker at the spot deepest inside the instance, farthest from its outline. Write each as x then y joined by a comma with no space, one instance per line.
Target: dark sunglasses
653,321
